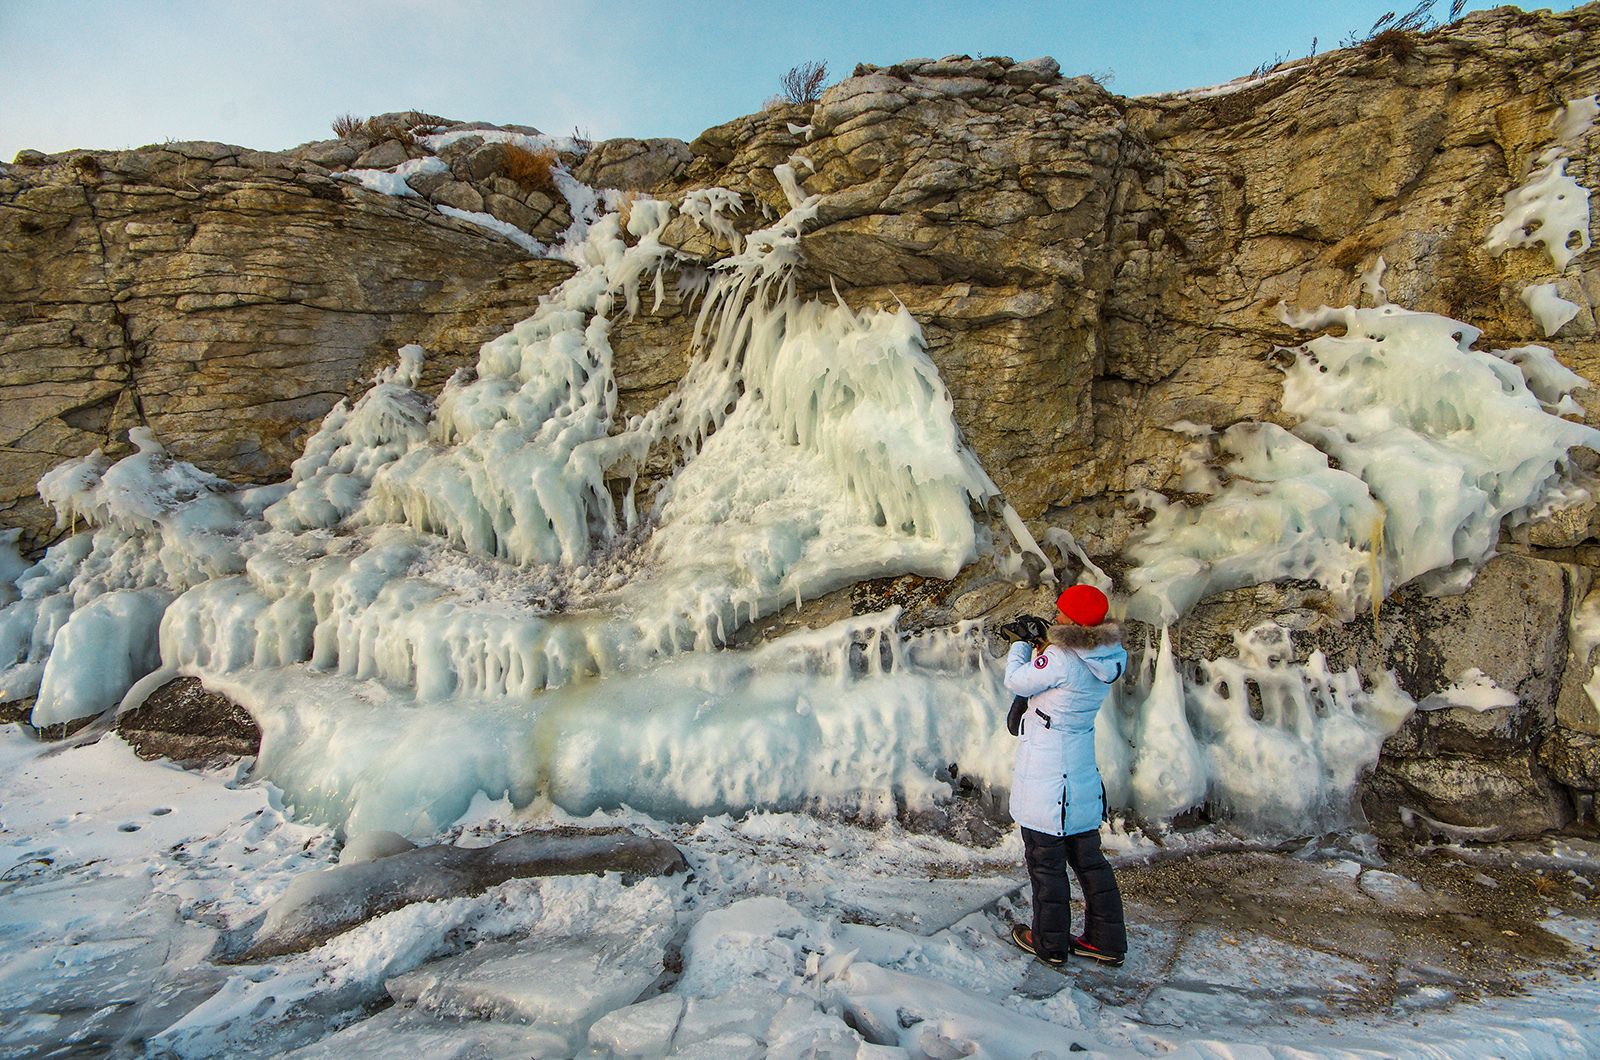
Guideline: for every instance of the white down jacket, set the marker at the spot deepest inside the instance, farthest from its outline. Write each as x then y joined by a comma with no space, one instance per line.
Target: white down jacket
1056,787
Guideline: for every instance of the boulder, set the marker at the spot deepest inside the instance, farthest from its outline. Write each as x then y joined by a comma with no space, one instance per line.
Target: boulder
461,195
319,905
1482,799
385,155
1572,759
634,164
184,722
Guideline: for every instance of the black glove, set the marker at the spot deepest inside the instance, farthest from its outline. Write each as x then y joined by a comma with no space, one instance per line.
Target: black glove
1014,717
1026,628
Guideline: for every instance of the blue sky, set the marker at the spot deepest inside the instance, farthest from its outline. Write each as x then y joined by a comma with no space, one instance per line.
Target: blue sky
271,74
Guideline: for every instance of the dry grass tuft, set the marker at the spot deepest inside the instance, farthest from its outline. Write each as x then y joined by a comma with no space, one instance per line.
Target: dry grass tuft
1397,44
533,170
349,127
1397,36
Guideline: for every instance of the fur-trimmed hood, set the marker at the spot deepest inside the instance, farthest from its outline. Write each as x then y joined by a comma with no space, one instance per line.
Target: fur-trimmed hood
1085,638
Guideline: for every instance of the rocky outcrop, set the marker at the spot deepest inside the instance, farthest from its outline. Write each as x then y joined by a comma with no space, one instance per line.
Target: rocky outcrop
319,905
227,298
1088,270
183,721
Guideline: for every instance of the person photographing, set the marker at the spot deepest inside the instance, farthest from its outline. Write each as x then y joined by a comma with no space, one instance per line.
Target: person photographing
1064,672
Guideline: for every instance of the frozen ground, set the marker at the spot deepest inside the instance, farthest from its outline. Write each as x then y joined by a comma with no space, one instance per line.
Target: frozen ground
794,937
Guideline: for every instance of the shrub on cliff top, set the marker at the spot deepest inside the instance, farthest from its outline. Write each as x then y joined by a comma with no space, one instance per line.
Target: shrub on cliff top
803,84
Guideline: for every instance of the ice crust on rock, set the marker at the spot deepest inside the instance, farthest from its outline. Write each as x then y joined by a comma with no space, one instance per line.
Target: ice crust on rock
1284,513
1449,440
392,181
1472,689
1551,381
1573,120
1550,208
493,224
1437,445
1548,308
371,846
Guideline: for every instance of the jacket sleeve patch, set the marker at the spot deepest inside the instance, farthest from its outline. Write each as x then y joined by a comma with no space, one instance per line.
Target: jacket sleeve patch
1041,662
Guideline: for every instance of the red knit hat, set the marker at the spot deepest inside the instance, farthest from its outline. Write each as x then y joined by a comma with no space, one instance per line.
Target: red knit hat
1083,604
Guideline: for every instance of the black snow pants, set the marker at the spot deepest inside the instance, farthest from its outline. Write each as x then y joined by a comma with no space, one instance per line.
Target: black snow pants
1048,857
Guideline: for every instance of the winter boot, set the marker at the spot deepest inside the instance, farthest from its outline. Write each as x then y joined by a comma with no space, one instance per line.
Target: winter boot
1080,948
1023,937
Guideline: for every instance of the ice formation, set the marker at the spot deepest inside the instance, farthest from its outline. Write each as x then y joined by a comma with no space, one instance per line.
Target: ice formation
1472,689
1548,308
1450,440
498,622
1550,209
1574,120
1284,513
393,181
1257,738
1436,445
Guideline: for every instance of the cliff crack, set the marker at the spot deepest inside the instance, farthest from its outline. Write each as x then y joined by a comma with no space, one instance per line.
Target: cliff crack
130,347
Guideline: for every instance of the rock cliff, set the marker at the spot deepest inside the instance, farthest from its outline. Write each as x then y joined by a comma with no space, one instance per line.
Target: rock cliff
1088,270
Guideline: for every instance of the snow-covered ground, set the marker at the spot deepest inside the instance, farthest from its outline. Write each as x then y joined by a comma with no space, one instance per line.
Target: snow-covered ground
793,937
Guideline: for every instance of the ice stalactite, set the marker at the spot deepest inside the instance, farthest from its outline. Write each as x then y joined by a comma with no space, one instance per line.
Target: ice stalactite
1167,773
1286,743
1258,739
